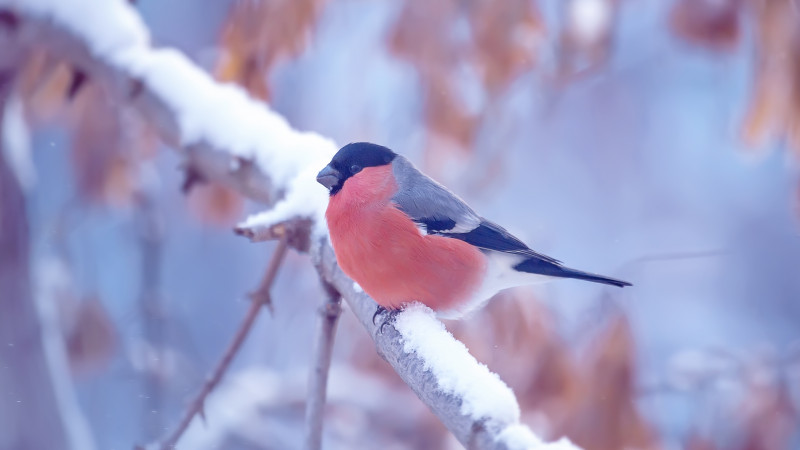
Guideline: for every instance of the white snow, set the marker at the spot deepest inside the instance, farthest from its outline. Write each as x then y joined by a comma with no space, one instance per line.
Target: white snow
520,437
108,25
225,116
589,19
484,394
304,198
561,444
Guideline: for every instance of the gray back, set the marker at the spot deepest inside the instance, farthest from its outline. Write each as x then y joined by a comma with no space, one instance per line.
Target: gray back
425,200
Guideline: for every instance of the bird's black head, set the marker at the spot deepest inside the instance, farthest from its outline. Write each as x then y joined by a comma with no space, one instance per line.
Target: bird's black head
350,160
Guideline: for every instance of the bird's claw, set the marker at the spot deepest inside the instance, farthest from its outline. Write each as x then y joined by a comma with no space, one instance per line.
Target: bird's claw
380,310
391,314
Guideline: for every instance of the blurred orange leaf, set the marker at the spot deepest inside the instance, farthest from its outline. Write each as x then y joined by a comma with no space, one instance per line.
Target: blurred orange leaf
108,141
506,36
258,34
43,84
108,147
768,416
215,204
709,23
592,399
497,39
608,417
773,112
91,339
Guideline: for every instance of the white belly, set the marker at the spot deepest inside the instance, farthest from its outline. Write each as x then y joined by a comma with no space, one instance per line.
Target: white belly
499,275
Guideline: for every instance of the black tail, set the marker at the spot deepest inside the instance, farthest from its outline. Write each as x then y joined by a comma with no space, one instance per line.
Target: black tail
542,267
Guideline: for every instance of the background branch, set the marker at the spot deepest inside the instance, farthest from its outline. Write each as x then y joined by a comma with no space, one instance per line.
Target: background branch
274,162
152,310
38,408
329,314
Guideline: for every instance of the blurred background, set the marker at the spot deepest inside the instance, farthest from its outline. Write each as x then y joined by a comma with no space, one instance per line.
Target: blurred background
654,141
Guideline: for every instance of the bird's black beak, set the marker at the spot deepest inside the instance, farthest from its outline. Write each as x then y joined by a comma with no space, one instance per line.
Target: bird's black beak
328,177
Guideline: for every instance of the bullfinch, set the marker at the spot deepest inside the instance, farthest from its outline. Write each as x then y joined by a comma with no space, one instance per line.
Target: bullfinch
403,237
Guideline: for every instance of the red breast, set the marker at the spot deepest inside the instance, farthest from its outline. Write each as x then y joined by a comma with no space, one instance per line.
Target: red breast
381,248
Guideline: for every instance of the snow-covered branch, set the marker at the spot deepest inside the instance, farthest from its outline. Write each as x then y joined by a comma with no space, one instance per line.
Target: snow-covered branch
230,138
471,401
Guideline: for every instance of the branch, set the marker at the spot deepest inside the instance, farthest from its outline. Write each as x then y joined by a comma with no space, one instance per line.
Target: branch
38,407
151,307
329,314
229,138
481,411
259,301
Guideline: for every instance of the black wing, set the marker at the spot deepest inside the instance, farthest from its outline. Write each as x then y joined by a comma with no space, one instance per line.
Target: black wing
490,236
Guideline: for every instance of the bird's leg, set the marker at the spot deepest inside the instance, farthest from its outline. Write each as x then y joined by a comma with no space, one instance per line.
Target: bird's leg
391,315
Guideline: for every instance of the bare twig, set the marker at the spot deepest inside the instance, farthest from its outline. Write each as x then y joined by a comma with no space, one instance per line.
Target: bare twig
151,308
261,299
297,231
261,295
318,378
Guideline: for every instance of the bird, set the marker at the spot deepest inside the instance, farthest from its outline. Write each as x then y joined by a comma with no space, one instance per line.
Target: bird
405,238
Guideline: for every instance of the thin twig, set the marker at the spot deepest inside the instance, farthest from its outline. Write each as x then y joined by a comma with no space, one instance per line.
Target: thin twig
318,377
261,295
261,298
152,309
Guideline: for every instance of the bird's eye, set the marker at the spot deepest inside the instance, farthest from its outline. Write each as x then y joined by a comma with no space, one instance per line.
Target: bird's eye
355,168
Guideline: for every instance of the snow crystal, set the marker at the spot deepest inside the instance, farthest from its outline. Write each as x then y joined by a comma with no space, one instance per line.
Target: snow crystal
483,393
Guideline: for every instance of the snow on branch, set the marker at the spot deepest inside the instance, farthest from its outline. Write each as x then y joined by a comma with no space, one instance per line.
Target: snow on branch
230,138
472,402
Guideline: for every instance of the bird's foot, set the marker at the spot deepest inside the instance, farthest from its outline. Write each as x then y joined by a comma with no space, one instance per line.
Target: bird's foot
389,317
378,311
